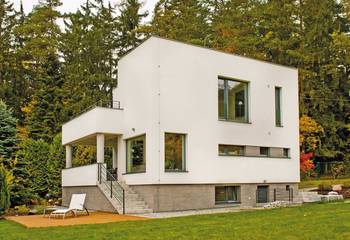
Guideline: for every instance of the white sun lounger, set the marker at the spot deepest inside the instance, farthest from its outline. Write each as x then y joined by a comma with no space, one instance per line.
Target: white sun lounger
76,205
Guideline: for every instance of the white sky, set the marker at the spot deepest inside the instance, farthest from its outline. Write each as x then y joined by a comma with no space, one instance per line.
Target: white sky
72,5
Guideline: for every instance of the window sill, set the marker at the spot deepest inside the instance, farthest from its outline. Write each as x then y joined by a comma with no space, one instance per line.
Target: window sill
176,171
279,126
133,173
226,203
253,156
235,121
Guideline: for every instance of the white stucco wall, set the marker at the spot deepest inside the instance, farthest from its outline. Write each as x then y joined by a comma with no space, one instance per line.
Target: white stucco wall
80,176
166,86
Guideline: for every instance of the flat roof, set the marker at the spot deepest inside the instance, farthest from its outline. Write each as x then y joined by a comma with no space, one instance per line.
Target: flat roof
210,49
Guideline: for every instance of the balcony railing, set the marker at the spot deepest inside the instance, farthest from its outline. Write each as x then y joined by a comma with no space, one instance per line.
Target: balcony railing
100,103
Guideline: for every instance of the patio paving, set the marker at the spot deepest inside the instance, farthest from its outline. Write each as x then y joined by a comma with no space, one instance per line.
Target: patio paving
36,221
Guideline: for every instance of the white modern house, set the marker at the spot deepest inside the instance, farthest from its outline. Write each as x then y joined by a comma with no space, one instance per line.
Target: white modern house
189,128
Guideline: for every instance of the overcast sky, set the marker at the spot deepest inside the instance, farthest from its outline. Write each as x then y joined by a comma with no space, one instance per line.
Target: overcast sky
72,5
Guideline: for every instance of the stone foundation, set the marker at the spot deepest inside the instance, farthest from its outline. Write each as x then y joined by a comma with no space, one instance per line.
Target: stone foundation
95,199
163,198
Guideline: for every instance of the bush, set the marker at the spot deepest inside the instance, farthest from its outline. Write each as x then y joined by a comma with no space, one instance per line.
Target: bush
39,209
346,184
4,190
325,187
22,210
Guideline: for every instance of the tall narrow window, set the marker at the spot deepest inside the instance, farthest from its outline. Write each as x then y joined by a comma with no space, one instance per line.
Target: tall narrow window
233,100
136,154
278,107
175,154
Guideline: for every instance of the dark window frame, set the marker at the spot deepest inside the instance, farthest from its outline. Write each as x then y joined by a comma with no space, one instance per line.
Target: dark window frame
184,167
226,201
267,149
232,145
127,155
278,106
225,103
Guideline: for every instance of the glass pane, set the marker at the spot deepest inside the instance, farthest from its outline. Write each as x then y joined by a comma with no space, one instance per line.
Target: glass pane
262,194
220,194
237,100
231,150
278,106
174,151
264,151
221,101
232,194
286,152
136,154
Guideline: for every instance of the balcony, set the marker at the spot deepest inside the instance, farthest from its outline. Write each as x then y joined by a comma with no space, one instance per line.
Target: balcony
99,118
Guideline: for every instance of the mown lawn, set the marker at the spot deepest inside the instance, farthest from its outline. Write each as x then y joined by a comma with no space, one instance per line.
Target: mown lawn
314,221
315,183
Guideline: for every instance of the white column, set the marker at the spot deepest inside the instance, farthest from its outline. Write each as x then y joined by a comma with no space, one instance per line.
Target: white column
100,145
69,152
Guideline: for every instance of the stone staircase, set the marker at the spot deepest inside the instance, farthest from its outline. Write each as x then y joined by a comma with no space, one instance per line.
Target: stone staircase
134,204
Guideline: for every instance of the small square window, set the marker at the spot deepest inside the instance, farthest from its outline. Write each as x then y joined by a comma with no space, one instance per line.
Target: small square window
264,151
286,152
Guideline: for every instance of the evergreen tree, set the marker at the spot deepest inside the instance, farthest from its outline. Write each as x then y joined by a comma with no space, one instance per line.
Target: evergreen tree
4,190
186,21
40,34
88,48
55,165
8,140
129,34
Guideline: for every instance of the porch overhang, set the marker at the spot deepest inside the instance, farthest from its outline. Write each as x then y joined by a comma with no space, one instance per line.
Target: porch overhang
83,128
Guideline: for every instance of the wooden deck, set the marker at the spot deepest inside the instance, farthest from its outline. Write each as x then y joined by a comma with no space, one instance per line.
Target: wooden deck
37,221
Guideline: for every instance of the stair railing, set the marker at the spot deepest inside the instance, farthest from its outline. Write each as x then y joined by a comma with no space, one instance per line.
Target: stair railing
108,180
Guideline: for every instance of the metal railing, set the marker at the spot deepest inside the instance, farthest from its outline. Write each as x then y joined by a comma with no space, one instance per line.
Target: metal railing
115,190
100,103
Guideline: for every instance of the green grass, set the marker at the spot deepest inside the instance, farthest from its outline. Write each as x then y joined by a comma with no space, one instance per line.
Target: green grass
315,183
313,221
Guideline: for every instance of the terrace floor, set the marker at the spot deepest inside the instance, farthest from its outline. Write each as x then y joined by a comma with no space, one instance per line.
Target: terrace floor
36,221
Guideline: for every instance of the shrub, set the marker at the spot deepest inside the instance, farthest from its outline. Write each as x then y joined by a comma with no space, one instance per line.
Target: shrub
39,209
325,187
22,210
4,190
346,184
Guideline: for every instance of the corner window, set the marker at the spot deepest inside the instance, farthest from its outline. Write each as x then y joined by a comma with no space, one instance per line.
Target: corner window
231,150
136,154
175,153
233,100
226,194
286,152
278,106
264,151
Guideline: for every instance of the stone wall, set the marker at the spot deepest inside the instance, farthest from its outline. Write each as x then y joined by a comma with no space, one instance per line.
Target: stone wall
95,199
202,196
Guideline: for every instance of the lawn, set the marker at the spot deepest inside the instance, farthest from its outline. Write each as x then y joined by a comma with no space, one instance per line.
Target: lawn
315,183
313,221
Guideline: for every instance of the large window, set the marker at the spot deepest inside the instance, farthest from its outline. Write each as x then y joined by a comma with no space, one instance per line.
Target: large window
233,100
226,194
136,154
278,110
175,154
231,150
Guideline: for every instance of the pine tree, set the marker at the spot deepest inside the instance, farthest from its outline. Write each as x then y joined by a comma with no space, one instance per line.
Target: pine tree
8,140
40,34
129,34
185,21
90,58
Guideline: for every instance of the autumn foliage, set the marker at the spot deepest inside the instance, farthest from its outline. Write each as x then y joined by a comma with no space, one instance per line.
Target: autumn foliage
306,164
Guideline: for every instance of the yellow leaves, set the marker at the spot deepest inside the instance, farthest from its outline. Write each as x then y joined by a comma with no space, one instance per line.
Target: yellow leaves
310,133
28,108
22,132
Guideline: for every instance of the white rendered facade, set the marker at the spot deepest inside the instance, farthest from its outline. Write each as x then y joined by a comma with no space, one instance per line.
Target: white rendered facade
166,86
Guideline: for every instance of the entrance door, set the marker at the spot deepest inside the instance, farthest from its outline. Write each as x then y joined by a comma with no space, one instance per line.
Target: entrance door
262,194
